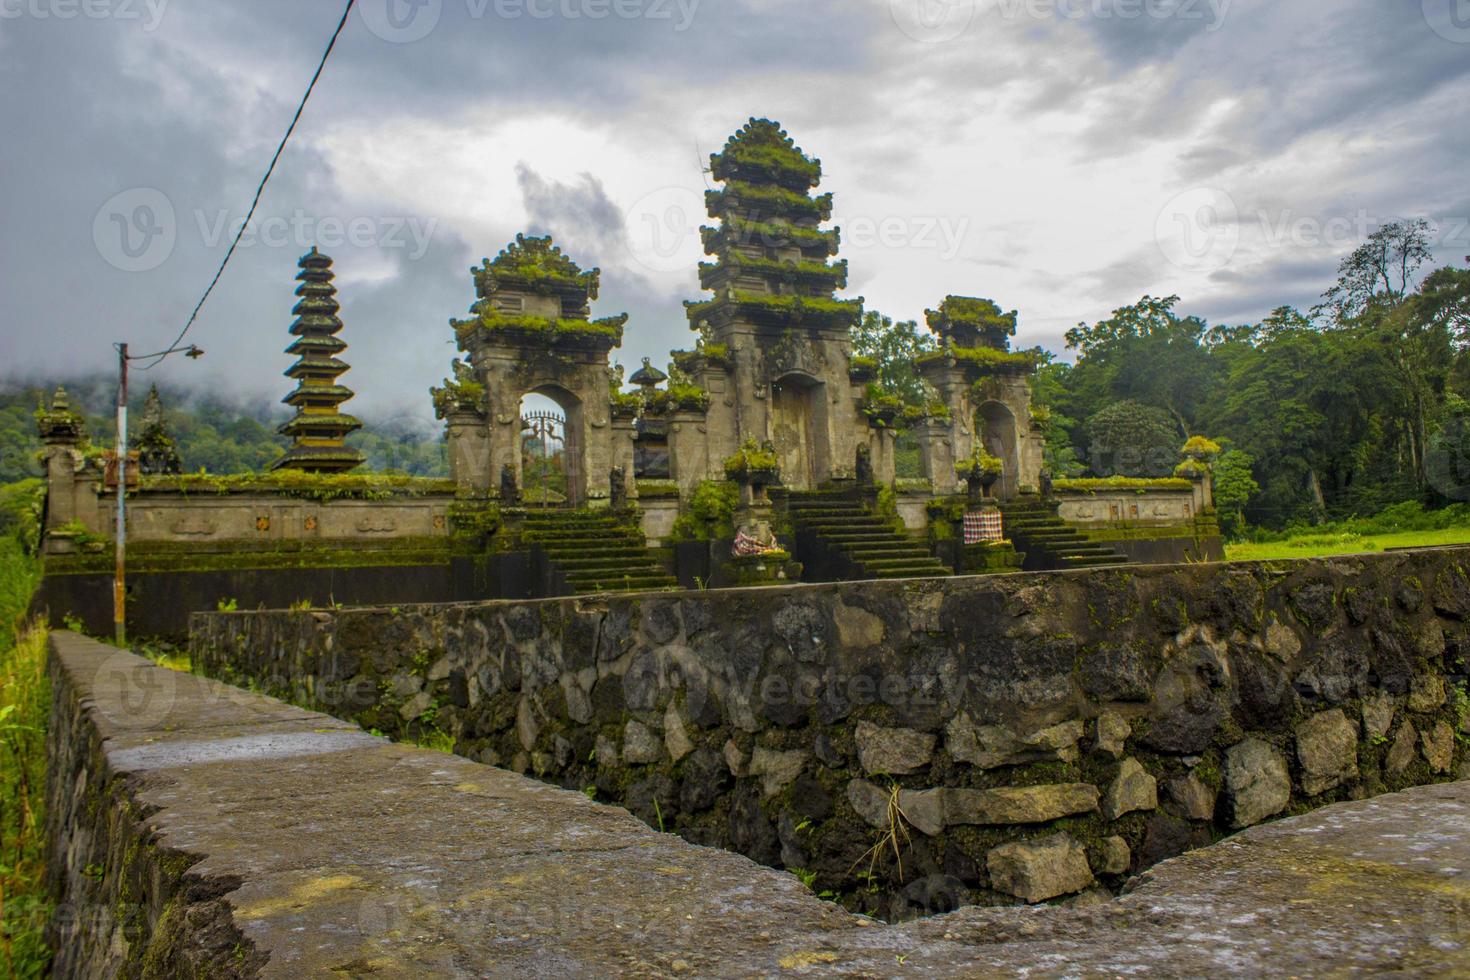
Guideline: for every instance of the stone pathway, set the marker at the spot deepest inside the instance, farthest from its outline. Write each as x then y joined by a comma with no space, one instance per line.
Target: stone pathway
334,854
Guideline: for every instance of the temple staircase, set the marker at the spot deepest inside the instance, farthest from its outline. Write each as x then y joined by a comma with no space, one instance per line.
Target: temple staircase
595,552
1050,543
838,539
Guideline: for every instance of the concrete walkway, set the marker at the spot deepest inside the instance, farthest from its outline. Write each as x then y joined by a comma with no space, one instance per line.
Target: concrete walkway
325,852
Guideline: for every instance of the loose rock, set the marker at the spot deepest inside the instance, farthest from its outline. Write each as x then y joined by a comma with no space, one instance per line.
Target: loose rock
640,745
1426,694
1401,753
1194,799
924,809
1256,781
1037,870
894,751
1327,749
1112,734
1439,746
1116,856
1133,789
1018,805
776,769
1378,712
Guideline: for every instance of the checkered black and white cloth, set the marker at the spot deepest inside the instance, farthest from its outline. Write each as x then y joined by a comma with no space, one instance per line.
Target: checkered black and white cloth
983,525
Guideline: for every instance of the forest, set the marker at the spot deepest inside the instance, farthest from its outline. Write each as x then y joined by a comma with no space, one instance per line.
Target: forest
1338,412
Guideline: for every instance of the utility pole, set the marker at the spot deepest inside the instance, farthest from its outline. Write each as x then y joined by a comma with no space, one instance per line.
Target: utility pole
119,581
120,576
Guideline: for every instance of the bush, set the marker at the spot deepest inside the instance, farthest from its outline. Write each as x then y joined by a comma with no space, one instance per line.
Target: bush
709,515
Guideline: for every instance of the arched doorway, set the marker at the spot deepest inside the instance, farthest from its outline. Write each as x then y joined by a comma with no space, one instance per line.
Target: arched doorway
796,417
996,425
551,449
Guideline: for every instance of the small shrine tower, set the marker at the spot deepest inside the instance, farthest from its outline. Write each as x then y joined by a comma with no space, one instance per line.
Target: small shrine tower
985,385
319,430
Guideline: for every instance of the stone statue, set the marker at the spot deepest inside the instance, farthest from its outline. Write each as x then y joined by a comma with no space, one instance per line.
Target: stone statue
510,494
864,466
619,491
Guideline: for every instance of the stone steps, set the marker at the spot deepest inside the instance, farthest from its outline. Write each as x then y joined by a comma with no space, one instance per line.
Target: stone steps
864,541
1050,543
596,553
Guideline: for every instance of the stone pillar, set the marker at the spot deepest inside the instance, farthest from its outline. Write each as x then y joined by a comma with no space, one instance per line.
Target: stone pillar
937,453
882,448
70,497
690,461
469,452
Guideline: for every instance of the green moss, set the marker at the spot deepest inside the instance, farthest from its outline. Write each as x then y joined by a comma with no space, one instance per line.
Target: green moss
320,487
821,306
768,201
550,330
984,359
752,458
709,514
1116,483
828,276
532,261
678,398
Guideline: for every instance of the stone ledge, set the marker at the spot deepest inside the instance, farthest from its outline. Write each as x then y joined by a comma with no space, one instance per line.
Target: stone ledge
227,833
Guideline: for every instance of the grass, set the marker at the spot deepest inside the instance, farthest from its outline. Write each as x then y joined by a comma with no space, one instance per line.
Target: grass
24,706
1344,543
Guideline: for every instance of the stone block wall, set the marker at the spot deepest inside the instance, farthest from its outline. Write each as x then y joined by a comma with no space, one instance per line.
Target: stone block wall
911,746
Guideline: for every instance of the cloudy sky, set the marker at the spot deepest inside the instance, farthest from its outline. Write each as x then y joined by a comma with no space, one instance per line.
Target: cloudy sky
1064,157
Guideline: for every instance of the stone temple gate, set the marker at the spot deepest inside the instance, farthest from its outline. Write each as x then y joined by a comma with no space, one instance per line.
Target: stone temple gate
531,332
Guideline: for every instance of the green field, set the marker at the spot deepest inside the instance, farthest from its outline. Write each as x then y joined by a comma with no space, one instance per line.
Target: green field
1348,543
24,702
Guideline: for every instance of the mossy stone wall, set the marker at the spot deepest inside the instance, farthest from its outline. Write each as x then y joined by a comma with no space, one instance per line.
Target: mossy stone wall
911,746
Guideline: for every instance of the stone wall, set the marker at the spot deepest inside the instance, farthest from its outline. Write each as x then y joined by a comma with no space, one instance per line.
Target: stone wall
916,745
201,830
211,518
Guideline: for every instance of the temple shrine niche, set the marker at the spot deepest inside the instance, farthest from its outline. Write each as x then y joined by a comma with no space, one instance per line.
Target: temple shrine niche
320,428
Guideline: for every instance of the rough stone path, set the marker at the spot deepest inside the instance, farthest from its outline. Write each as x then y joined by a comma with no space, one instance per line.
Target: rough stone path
317,850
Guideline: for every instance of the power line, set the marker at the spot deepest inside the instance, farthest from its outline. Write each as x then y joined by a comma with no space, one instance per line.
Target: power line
260,190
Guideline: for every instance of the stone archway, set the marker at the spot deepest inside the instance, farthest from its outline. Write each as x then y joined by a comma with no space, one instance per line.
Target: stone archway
552,463
995,424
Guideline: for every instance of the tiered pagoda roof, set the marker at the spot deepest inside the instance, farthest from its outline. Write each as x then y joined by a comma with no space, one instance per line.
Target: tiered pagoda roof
158,454
536,267
974,332
771,253
319,430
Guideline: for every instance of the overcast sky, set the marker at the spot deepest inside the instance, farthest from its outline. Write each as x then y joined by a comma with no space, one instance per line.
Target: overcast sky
1063,157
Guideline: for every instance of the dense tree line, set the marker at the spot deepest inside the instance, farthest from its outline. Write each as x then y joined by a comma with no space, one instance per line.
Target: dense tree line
213,433
1358,404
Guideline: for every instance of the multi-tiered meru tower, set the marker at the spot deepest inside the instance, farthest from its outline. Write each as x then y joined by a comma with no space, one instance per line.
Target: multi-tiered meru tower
775,342
319,430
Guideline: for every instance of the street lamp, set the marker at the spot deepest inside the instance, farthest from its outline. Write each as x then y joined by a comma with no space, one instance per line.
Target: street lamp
119,581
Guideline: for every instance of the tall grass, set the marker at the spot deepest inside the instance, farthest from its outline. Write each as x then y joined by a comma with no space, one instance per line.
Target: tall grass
24,706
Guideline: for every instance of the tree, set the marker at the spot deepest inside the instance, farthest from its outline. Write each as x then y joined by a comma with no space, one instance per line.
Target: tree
1234,487
1379,271
1132,439
1147,353
896,348
1048,391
